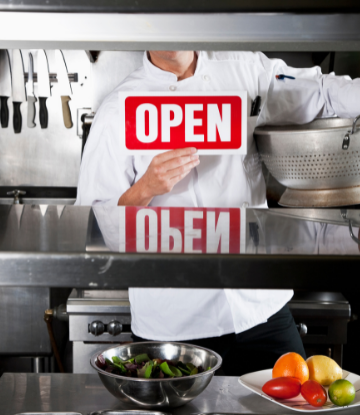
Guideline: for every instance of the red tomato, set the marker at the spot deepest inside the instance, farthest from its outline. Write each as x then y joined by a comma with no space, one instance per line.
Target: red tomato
282,388
314,393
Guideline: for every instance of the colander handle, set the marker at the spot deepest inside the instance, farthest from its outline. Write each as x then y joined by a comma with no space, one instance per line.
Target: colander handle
346,140
354,124
353,237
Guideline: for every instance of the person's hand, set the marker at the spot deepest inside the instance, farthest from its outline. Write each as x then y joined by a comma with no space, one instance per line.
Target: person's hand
167,169
164,171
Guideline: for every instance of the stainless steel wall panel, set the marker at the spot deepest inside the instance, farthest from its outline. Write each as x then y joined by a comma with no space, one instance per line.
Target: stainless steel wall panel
43,228
50,156
23,331
109,70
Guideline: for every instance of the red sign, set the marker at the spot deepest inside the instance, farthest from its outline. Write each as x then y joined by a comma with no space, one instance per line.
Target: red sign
155,122
179,230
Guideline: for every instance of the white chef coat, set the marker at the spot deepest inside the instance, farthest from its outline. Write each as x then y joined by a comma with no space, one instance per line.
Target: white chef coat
219,181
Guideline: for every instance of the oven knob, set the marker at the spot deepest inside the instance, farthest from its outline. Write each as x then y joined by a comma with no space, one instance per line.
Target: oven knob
114,328
96,328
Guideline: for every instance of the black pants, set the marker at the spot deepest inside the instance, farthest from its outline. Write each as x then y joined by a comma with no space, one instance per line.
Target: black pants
255,349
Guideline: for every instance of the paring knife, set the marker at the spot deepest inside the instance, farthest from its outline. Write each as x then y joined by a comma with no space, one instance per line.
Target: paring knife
64,87
5,86
44,90
30,94
18,88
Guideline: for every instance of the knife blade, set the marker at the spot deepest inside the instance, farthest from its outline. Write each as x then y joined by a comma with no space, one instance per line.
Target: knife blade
18,88
64,87
30,94
44,90
5,86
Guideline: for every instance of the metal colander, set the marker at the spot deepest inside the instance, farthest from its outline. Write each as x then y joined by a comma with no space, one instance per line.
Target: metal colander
322,156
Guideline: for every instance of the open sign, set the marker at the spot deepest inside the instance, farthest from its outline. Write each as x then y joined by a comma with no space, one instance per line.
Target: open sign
181,230
214,123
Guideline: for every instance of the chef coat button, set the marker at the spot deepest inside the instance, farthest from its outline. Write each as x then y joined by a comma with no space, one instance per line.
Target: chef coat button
206,78
172,88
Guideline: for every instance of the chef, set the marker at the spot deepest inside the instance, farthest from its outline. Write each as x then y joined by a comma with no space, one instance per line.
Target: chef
249,328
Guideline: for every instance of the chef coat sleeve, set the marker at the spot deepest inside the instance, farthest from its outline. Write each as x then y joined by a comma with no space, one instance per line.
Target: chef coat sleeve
310,95
105,173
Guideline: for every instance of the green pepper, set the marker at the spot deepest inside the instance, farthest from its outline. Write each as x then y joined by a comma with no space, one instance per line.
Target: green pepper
128,361
141,358
175,371
183,368
195,371
116,359
145,372
190,366
108,362
209,368
117,362
170,370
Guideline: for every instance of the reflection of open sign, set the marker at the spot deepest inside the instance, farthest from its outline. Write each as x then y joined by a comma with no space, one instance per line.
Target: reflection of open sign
156,122
176,230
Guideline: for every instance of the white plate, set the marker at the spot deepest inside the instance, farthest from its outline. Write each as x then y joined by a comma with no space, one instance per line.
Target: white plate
255,381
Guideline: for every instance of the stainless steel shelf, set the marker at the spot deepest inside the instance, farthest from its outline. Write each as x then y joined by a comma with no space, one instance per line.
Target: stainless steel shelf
121,271
69,246
178,6
197,31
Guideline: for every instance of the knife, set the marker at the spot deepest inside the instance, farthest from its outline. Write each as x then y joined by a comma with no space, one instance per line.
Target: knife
5,86
18,88
30,94
43,86
64,86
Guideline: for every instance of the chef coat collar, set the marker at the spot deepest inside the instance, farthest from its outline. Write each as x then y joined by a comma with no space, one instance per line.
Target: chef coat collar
164,76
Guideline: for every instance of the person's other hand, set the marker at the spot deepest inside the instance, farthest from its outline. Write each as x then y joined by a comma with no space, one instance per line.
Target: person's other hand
164,171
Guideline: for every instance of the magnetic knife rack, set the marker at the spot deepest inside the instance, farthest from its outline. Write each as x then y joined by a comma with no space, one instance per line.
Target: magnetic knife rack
73,77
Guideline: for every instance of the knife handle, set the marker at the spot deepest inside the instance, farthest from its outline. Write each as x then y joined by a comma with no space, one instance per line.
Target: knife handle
17,120
31,111
66,111
4,112
43,112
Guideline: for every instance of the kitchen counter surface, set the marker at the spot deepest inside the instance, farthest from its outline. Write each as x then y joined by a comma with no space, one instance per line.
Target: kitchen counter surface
24,392
116,248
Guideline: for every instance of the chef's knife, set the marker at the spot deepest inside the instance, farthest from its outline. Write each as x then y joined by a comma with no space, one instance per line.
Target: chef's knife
5,86
18,88
64,87
30,94
43,86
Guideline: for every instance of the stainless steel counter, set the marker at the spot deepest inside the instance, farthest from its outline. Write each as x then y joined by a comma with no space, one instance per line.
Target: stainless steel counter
25,392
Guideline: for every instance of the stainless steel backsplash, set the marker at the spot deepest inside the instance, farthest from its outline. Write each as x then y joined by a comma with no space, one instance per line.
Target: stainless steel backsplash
51,156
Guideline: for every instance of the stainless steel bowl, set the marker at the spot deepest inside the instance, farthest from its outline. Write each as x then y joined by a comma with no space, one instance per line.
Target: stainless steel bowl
159,393
323,155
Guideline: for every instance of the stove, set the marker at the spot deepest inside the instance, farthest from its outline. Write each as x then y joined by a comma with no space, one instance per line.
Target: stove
97,320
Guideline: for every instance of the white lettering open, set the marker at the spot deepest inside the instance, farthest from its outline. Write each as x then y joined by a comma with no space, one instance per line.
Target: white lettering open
141,123
219,233
166,122
214,121
141,232
167,233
